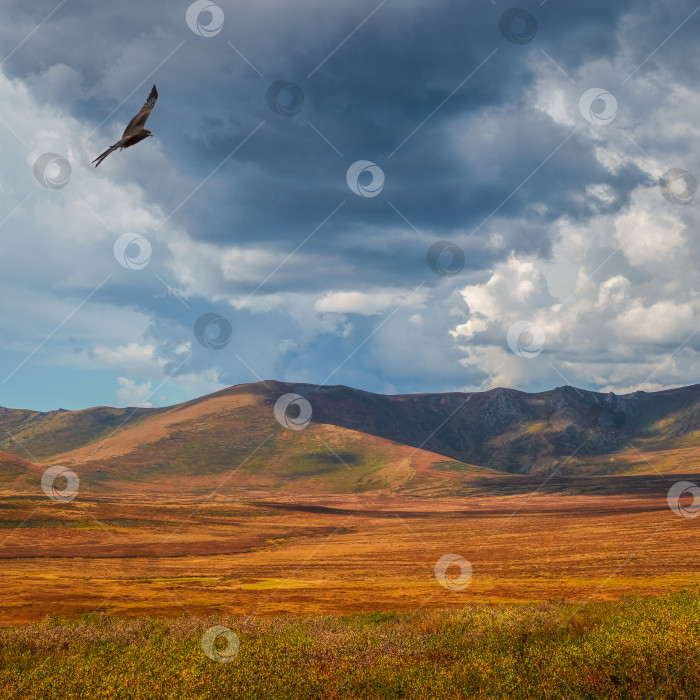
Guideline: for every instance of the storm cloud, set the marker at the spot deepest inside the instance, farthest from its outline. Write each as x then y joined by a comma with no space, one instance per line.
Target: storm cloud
533,139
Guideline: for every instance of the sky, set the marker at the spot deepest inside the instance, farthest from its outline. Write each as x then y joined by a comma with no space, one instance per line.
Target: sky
414,196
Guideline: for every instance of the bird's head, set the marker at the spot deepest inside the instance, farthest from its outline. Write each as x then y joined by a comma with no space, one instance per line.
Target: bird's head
148,133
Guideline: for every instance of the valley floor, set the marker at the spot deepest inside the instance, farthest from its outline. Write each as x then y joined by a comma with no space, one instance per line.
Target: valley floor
164,556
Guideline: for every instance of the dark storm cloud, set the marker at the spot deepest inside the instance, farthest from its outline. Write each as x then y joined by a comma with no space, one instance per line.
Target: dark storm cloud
366,99
474,160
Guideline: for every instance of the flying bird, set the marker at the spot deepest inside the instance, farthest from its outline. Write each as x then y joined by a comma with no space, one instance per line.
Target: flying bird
135,131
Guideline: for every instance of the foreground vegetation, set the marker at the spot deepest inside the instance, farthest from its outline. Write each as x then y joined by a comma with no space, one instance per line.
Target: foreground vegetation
630,648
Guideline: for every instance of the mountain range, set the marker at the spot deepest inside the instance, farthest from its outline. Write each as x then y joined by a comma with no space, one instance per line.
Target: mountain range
356,441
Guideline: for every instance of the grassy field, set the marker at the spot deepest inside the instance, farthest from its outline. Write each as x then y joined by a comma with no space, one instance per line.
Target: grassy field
634,647
336,555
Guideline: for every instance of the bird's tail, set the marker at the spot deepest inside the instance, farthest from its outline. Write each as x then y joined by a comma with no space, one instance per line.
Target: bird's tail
102,156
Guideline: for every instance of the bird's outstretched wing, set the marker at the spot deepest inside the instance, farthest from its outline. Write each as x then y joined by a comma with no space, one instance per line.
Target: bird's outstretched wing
140,119
135,130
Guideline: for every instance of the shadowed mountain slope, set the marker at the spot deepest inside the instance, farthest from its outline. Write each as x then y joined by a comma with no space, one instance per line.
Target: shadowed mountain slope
565,428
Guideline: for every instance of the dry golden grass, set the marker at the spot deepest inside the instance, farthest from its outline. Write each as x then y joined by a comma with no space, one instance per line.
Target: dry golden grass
337,554
630,648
